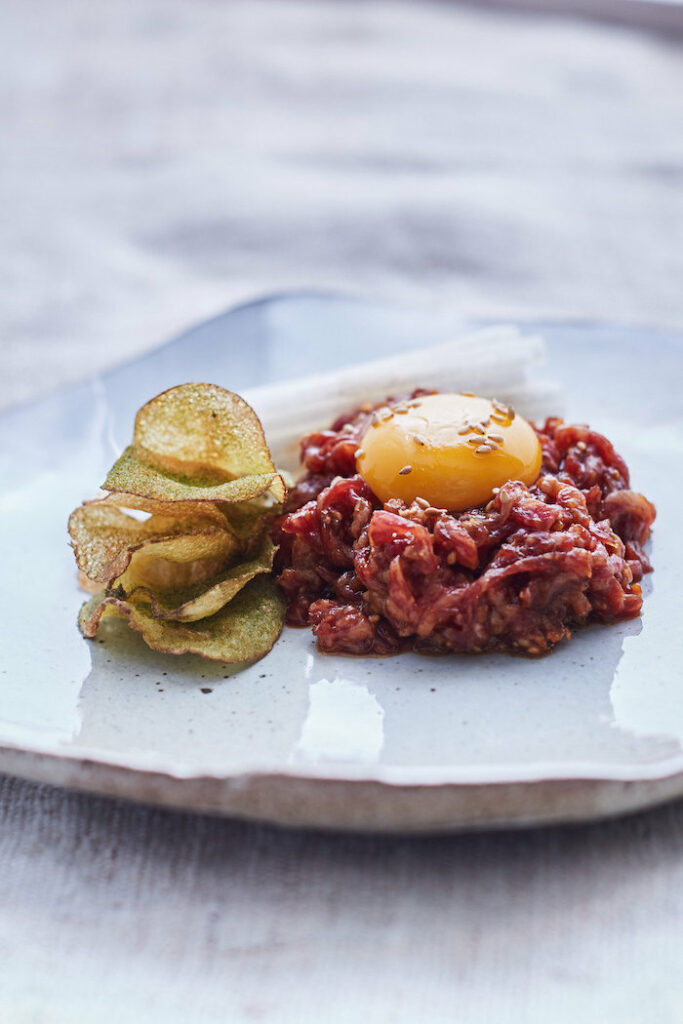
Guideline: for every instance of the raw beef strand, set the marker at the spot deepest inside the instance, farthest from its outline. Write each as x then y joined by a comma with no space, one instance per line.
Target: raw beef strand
514,575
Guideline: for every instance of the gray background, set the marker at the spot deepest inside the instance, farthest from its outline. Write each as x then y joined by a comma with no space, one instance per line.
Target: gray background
160,160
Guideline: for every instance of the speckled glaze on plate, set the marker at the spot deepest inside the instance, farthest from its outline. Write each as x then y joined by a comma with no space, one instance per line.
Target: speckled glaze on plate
407,743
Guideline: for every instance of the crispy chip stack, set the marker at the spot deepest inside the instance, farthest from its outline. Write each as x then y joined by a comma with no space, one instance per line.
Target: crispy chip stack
195,576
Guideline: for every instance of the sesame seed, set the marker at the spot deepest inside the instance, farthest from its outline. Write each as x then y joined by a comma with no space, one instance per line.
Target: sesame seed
405,471
502,410
464,429
496,437
478,429
483,449
582,446
422,503
420,439
359,453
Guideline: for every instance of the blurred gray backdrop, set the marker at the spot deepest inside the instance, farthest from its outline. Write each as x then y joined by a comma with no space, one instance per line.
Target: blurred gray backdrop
163,159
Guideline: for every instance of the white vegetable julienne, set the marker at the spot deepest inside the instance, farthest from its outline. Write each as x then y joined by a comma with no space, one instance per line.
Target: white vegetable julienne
492,362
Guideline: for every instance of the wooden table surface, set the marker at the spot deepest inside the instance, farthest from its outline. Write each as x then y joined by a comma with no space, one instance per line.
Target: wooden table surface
164,159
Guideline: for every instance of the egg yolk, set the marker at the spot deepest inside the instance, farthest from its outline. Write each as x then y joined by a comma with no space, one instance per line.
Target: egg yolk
451,450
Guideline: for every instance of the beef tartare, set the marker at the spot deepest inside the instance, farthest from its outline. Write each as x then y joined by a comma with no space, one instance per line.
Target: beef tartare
514,574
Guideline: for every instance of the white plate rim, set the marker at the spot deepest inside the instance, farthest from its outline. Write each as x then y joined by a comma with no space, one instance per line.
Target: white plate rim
620,787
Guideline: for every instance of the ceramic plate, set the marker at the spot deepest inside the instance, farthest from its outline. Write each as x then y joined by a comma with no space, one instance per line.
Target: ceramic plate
407,743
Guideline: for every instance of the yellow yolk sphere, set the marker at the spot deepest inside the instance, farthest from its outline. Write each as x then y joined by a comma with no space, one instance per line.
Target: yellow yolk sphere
451,450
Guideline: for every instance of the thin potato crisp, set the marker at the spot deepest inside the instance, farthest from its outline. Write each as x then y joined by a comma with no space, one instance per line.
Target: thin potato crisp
134,474
189,602
194,576
105,538
244,630
197,442
204,426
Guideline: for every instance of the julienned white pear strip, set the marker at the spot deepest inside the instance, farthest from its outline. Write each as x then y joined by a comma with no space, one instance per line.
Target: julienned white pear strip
497,356
492,361
535,401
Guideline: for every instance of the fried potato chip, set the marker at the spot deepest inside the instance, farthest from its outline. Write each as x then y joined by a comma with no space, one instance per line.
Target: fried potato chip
87,584
133,475
197,442
247,519
188,560
199,466
191,602
243,630
206,426
251,519
176,509
104,538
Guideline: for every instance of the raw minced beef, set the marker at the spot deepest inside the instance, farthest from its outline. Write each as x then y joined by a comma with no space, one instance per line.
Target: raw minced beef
514,575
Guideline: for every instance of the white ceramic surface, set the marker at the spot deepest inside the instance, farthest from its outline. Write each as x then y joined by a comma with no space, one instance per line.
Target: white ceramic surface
402,743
